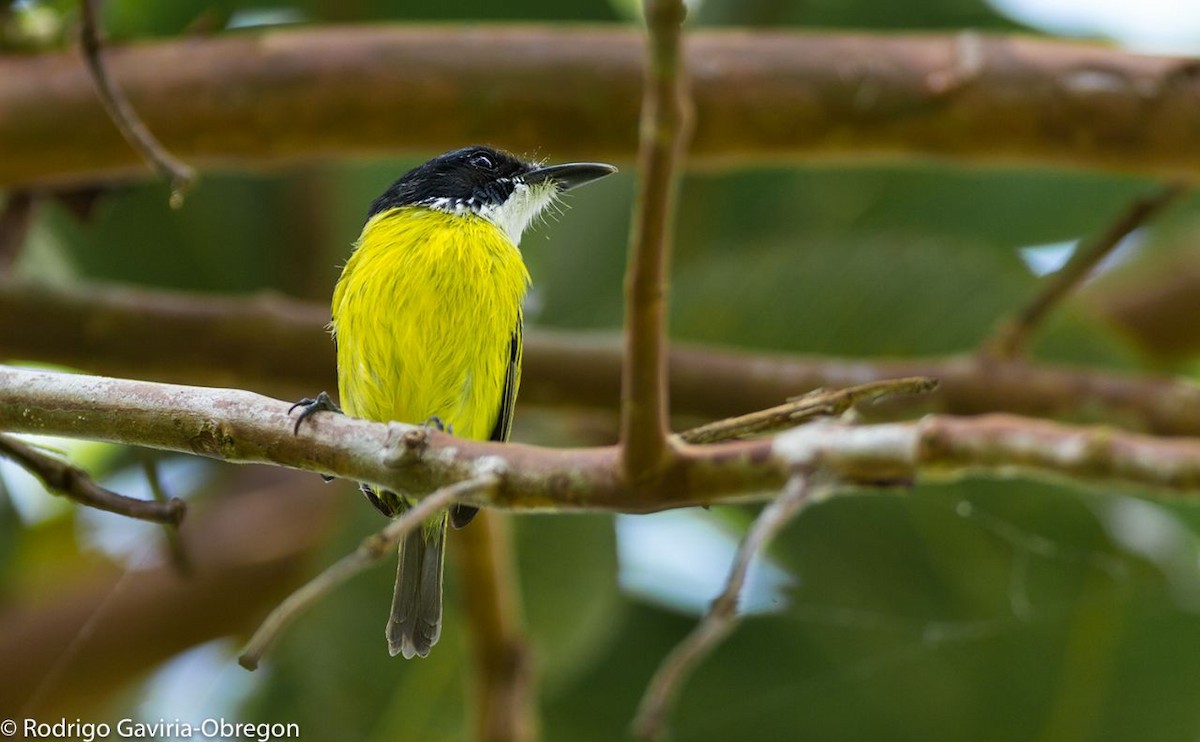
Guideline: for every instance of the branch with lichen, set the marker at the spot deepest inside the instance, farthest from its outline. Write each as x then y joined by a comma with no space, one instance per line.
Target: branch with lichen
241,427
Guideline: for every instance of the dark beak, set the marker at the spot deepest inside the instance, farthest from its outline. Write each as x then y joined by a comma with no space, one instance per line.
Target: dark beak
570,175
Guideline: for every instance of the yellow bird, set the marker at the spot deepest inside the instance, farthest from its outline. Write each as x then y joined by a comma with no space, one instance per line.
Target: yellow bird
427,322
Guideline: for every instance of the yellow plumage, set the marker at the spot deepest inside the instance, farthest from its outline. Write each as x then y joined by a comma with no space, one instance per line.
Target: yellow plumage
424,316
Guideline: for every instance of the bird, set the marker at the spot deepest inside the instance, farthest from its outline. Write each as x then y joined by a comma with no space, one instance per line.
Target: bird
427,320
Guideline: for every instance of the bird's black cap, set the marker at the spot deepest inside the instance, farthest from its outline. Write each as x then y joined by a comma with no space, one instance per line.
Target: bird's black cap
478,176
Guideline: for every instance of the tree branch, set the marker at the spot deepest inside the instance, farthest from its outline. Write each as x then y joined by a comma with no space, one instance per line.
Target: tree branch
177,174
217,341
722,616
818,403
61,478
504,680
241,427
1012,334
662,139
256,100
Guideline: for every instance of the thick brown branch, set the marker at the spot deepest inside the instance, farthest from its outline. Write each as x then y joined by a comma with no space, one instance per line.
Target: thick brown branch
242,427
1013,334
221,341
177,174
663,136
252,100
72,482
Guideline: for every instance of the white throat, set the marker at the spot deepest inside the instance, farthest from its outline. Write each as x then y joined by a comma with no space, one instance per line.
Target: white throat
521,208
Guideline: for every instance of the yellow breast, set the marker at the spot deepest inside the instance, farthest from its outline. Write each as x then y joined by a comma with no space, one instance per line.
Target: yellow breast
424,315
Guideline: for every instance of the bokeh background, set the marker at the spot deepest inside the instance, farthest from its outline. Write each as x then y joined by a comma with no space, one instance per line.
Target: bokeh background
984,610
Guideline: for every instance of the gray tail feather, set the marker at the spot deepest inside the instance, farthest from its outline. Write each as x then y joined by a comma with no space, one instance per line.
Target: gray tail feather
416,621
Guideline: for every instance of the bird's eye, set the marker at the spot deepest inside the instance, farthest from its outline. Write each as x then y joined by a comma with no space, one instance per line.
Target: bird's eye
481,161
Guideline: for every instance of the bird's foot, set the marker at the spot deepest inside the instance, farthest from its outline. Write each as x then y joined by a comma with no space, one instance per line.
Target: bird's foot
310,406
436,423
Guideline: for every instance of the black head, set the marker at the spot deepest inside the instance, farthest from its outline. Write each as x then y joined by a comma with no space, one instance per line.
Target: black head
467,177
489,183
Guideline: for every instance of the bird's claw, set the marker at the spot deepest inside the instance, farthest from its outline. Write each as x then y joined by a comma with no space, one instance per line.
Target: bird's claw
436,423
309,406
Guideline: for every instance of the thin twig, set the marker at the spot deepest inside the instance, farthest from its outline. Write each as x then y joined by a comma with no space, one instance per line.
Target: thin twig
69,481
371,550
664,133
175,546
817,403
15,221
505,688
177,173
722,616
1012,334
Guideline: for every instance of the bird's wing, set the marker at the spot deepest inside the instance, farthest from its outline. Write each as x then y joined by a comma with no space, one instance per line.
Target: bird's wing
512,380
460,515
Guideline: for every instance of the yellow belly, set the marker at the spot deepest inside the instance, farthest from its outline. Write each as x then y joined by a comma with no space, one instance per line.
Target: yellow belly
424,315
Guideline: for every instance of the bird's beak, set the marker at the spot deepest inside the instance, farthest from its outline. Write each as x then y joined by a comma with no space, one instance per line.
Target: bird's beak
570,175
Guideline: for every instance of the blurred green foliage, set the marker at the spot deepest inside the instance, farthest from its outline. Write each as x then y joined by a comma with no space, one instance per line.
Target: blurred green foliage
982,610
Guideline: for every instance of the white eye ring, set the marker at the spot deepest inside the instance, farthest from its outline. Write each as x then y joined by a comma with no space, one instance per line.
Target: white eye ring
482,161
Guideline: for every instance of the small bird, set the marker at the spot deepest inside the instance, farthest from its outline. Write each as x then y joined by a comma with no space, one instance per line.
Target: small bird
427,320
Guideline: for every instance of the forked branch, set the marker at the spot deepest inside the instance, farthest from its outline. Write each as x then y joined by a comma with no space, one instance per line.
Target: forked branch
241,427
663,133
